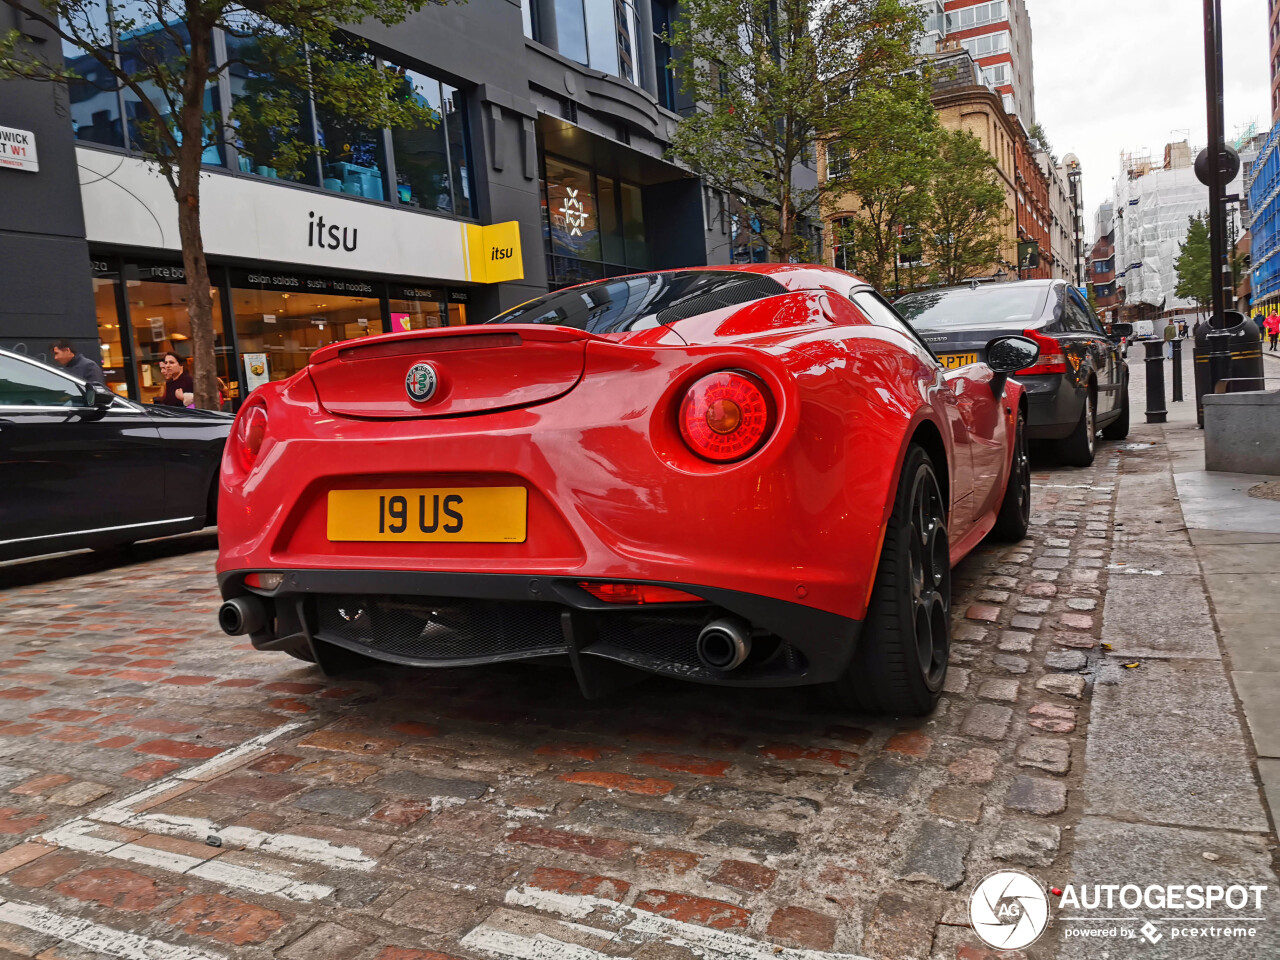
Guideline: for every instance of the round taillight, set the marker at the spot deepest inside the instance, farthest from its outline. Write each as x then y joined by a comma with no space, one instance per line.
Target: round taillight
726,416
251,430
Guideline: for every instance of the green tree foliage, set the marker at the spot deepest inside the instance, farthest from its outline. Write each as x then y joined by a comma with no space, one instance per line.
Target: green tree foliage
1193,264
770,76
283,51
963,228
891,145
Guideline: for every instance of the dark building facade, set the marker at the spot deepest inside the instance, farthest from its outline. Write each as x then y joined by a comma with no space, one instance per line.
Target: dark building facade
553,121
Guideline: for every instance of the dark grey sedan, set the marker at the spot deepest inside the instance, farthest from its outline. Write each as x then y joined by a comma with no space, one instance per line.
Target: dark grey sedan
83,467
1079,386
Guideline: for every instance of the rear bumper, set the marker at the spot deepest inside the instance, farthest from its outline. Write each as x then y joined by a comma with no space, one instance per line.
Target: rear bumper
437,619
1054,406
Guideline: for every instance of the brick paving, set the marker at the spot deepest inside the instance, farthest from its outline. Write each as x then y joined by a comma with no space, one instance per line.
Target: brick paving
172,790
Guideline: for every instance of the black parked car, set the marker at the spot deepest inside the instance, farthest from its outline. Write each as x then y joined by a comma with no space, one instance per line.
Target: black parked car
82,467
1081,382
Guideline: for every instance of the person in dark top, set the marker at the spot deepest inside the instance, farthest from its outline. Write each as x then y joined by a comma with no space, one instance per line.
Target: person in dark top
179,388
76,364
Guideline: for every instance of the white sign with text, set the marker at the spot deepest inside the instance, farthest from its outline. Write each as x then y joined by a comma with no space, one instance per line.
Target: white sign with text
18,150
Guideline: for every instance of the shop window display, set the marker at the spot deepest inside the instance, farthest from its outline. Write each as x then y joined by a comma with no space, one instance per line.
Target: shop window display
421,308
113,357
280,324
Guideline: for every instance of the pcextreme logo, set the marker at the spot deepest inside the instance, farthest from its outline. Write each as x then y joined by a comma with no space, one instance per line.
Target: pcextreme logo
1010,910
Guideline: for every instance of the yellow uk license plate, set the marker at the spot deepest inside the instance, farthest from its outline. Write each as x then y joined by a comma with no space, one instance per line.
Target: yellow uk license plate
457,514
953,361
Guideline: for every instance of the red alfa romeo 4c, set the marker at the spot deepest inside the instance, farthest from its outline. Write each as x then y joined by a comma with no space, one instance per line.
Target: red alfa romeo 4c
749,476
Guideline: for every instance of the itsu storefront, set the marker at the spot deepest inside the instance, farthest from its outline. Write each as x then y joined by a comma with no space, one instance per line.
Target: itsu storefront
291,270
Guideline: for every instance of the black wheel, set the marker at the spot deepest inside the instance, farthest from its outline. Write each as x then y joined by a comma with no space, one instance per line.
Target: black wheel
1077,450
1015,509
901,660
1118,428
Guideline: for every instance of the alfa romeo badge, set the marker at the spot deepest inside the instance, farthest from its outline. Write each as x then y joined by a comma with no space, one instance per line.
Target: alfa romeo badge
421,382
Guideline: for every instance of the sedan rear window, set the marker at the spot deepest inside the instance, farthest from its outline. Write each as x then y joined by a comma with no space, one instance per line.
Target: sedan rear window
996,305
645,300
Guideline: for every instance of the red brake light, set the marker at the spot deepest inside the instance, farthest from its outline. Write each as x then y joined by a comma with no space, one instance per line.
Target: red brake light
726,416
1052,359
637,593
251,430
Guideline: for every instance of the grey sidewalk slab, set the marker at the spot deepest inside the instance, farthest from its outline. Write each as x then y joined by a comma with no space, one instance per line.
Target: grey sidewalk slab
1165,746
1158,616
1122,853
1260,694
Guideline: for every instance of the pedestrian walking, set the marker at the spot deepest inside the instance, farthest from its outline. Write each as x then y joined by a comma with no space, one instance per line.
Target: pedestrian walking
1272,326
1170,334
179,388
76,364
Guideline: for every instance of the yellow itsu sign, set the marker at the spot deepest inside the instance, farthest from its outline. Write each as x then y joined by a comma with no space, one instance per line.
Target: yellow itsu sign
493,252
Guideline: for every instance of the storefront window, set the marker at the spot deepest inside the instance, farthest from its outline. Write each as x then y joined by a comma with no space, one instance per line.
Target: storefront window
420,308
281,319
161,322
95,102
593,225
114,361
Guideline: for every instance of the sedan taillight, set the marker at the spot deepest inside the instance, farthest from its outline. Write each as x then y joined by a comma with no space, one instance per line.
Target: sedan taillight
1052,360
250,431
726,416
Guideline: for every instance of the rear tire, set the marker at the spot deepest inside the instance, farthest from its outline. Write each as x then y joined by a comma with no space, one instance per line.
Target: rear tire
1118,428
1078,449
900,663
1015,510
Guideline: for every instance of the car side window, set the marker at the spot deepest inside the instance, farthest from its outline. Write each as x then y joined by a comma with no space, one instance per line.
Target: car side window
1075,317
883,315
25,384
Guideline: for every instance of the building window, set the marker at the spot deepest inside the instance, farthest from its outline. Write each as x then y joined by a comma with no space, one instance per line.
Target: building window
839,160
432,169
667,87
594,224
996,75
976,16
988,44
95,97
842,250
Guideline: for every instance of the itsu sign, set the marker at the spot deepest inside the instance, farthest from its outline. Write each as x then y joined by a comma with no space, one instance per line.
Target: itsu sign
18,150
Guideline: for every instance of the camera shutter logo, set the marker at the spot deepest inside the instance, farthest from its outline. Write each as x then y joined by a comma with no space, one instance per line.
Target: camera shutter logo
1009,910
421,382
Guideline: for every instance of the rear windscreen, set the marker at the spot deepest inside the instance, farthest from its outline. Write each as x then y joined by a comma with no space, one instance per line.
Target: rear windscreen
995,305
645,300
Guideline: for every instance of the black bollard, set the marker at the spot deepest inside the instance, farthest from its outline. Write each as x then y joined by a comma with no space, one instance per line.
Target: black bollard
1177,370
1156,412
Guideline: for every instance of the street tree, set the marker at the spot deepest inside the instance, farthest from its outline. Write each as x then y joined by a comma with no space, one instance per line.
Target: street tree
1193,264
287,54
880,170
770,77
964,225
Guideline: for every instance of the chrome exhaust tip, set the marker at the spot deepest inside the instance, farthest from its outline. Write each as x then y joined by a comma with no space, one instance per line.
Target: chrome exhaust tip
724,644
242,615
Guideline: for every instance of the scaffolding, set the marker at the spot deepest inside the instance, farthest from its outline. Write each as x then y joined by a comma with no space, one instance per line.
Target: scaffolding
1153,208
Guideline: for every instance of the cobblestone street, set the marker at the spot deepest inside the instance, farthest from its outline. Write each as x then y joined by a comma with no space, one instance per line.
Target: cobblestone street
170,793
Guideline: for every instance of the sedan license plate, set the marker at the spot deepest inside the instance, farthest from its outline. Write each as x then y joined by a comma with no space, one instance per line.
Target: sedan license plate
445,514
953,361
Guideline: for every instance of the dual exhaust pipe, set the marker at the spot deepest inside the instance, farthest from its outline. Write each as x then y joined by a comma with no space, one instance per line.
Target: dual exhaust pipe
723,644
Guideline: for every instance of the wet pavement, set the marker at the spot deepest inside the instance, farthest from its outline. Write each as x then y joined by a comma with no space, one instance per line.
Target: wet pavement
171,793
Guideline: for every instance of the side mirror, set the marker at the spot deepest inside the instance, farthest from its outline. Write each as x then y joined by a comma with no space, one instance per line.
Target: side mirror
1120,331
1006,355
100,397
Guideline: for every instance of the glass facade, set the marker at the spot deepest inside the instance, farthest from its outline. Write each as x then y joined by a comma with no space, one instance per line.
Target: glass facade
305,141
280,319
593,224
605,35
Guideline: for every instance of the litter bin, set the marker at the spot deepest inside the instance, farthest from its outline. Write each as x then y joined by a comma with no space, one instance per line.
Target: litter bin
1244,371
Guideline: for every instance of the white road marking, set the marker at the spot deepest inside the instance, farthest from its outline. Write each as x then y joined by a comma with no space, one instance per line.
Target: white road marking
81,833
640,927
94,936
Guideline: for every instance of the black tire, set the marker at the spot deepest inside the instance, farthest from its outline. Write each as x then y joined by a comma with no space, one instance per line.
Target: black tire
1078,449
1015,509
901,661
1118,428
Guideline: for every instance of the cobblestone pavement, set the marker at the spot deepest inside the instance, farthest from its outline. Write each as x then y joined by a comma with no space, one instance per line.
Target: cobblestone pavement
170,793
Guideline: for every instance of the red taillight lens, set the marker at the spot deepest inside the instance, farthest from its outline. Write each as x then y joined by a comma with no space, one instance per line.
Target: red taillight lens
726,416
251,430
637,593
1052,359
